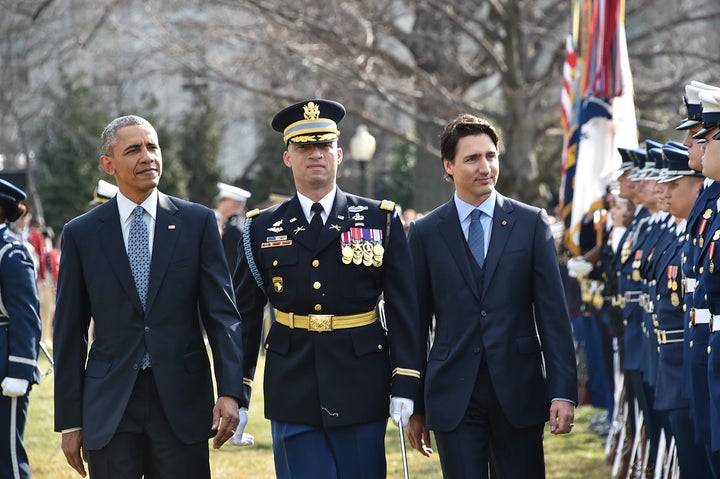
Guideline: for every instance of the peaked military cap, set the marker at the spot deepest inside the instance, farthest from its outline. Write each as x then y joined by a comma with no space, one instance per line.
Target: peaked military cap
232,192
103,192
677,160
309,121
692,106
10,193
710,100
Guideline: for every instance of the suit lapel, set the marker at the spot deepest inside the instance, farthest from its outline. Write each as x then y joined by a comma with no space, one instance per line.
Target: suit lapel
451,232
168,225
503,223
111,239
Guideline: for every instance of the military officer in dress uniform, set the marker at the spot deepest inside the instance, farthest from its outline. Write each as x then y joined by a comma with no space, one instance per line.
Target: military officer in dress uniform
231,204
683,186
323,259
697,332
19,336
707,265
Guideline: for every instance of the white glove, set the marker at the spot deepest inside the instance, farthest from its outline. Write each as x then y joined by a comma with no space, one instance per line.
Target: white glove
578,267
14,387
401,409
241,438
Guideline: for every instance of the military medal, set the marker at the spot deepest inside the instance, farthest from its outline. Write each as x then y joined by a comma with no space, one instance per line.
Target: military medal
674,299
636,265
701,228
711,254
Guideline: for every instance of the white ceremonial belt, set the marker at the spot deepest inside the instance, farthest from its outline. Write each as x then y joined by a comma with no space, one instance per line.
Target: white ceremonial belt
4,323
699,316
715,323
689,285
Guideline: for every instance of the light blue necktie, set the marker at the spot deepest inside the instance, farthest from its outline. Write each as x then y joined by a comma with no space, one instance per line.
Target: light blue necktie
476,237
139,256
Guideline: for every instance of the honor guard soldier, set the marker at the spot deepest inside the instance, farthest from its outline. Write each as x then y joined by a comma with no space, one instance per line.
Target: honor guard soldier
19,335
629,291
707,264
323,259
697,320
231,205
683,184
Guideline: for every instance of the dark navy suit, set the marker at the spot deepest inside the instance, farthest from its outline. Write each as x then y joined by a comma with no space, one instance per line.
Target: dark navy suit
189,292
502,335
19,347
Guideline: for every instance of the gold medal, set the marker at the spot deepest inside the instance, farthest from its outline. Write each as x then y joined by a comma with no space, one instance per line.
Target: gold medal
357,259
701,241
347,252
675,299
670,283
636,275
378,249
674,285
367,261
347,259
377,262
707,214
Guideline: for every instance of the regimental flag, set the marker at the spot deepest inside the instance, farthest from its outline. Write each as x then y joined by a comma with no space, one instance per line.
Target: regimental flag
597,109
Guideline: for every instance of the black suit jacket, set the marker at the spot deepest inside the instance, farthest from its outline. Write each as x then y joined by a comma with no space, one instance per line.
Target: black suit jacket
518,321
189,291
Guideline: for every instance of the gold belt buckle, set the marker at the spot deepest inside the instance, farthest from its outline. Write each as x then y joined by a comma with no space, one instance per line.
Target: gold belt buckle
320,322
692,317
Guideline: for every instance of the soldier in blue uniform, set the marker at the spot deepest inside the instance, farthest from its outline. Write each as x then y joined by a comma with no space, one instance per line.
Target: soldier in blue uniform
708,265
697,332
19,336
683,186
323,259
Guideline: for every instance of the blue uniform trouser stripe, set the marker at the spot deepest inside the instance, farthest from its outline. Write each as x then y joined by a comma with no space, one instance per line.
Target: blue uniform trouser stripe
309,452
13,416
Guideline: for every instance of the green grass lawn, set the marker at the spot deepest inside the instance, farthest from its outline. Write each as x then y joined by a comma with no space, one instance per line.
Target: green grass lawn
579,455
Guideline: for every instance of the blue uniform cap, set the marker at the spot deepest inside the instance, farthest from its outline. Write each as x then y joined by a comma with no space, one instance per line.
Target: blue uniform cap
677,164
10,193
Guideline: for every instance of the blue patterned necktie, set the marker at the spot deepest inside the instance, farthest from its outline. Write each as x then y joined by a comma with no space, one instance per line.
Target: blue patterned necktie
139,256
476,237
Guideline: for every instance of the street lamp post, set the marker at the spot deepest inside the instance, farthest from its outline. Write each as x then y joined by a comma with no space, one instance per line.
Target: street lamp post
362,149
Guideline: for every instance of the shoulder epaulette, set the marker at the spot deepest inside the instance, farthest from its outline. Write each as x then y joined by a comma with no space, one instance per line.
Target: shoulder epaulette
387,205
252,213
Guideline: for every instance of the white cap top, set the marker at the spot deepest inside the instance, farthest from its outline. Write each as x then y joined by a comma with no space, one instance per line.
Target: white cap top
232,192
703,86
710,101
105,189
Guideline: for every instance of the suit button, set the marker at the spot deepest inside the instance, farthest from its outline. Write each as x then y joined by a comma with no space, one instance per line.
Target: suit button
476,350
135,367
684,308
483,313
147,329
275,262
692,343
379,347
316,285
318,307
315,263
267,346
709,349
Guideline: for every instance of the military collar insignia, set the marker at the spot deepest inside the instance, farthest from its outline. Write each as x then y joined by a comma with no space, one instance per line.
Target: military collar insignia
299,229
335,227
